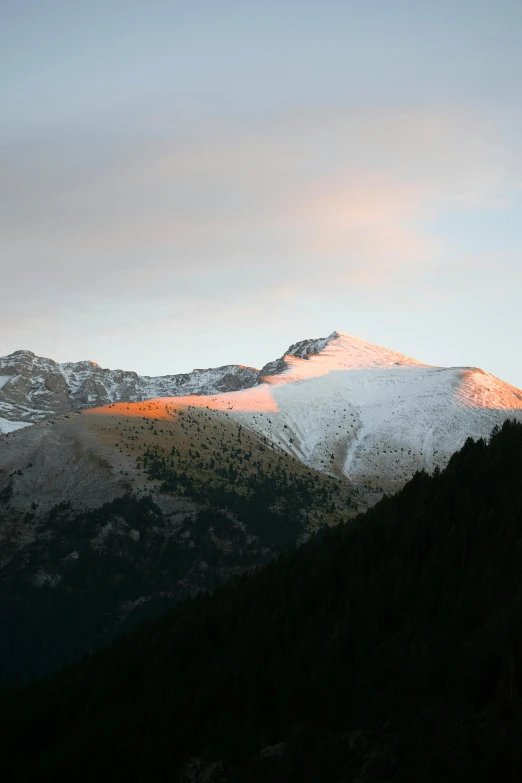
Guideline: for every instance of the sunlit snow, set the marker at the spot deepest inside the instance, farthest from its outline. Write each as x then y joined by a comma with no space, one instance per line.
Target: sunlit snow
360,410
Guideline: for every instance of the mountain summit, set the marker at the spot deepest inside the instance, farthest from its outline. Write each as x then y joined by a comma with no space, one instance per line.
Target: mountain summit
339,351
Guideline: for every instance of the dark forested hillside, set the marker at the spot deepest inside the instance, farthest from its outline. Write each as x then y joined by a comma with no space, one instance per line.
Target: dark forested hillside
71,581
385,649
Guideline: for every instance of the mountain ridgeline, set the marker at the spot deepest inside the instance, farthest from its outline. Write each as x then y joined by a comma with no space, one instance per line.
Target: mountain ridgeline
384,649
339,405
34,388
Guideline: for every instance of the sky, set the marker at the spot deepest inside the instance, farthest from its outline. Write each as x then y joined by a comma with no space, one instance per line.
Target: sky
197,184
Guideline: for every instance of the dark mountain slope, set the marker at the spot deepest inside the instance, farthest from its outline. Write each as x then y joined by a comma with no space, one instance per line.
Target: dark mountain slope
387,649
199,501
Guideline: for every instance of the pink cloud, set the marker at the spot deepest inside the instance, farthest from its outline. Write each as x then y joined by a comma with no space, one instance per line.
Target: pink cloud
310,201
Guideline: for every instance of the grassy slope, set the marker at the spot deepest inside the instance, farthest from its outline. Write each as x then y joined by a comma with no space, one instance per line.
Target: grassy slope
199,501
209,447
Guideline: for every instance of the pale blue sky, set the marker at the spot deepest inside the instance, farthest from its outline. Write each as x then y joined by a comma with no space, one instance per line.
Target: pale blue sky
194,184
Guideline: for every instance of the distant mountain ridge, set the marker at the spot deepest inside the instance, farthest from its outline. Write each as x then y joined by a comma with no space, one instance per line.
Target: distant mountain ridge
34,388
338,404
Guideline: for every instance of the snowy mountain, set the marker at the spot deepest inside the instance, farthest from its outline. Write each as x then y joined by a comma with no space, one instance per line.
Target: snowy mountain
337,404
375,415
350,408
33,388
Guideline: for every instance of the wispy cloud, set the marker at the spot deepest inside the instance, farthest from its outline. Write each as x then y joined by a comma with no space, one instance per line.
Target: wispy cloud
355,191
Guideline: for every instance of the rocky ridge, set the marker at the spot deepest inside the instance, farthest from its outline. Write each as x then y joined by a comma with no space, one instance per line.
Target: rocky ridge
34,388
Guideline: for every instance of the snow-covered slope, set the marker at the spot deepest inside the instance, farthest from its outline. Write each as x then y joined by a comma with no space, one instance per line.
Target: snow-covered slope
372,414
352,408
10,426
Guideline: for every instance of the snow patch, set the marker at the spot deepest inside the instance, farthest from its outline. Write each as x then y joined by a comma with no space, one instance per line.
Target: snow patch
10,426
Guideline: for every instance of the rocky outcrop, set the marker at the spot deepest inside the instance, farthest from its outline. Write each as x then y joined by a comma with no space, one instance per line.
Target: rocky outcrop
303,350
33,388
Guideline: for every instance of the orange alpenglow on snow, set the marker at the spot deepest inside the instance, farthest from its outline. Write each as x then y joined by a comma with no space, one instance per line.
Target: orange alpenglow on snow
479,389
258,398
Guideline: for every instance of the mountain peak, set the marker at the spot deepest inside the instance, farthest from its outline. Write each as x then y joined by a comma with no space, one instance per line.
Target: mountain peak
21,354
338,351
366,354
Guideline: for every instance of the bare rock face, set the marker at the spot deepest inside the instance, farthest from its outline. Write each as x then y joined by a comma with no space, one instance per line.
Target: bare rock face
91,385
31,388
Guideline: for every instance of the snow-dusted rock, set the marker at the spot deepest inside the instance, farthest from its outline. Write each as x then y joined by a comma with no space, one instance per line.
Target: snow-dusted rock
33,388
